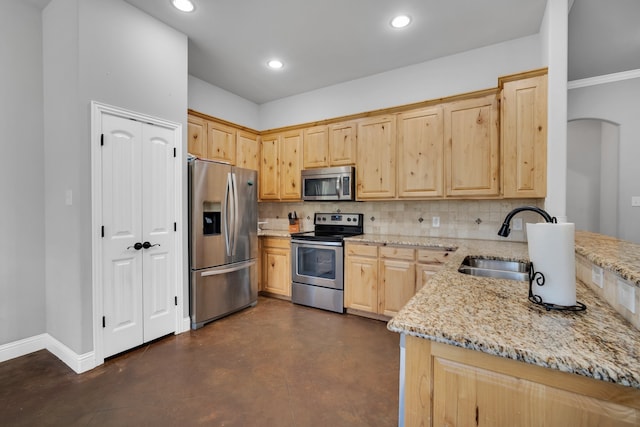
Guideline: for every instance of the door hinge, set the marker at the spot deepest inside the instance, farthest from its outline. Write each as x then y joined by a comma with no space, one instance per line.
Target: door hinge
104,322
175,151
102,231
176,300
175,226
101,139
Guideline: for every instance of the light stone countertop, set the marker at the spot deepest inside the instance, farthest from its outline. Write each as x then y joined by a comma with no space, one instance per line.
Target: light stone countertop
274,233
495,317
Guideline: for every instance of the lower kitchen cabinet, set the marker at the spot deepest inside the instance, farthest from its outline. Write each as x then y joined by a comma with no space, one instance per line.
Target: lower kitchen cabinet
275,260
447,385
380,279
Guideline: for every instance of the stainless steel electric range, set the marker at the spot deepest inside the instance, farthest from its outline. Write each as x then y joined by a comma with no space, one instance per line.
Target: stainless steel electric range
317,260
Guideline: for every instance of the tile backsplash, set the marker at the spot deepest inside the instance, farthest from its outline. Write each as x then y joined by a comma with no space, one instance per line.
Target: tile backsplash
469,219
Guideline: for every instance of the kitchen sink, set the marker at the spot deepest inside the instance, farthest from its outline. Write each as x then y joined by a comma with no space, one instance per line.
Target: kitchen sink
496,268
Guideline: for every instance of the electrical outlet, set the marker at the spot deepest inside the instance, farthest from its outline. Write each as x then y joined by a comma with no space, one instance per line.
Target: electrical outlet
435,222
596,275
68,197
517,224
627,296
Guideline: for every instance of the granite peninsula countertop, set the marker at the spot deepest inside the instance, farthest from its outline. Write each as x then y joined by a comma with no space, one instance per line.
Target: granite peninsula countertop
494,316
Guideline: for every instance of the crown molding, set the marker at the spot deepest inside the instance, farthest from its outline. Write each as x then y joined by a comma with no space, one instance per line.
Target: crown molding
607,78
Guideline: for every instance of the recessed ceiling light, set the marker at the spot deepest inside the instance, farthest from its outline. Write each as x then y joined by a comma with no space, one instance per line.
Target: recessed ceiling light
400,21
276,64
183,5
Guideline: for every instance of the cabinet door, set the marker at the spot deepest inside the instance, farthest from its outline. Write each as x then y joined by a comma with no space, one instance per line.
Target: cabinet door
290,165
472,147
376,168
420,153
269,168
248,150
397,285
524,137
342,144
361,278
197,136
221,142
276,266
315,147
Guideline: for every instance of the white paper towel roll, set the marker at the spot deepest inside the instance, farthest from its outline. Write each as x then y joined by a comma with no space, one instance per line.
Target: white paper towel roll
552,252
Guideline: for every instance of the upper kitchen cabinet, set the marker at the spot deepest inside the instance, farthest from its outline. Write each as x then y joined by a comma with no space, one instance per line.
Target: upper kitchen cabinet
420,153
280,166
472,149
315,147
376,151
247,150
329,145
342,144
221,142
524,137
197,135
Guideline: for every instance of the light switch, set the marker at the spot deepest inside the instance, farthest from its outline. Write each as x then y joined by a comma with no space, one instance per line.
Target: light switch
635,201
435,222
627,295
68,197
517,224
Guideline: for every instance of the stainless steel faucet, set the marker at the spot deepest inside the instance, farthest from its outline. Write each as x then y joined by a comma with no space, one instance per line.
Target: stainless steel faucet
505,230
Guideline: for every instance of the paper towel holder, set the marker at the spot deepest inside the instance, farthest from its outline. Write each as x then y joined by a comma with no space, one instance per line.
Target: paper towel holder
538,277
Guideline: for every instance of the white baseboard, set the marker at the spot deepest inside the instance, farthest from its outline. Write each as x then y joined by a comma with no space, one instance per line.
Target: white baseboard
186,324
78,362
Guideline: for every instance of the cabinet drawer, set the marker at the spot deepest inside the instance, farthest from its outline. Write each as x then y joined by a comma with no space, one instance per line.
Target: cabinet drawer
397,253
276,242
433,256
362,250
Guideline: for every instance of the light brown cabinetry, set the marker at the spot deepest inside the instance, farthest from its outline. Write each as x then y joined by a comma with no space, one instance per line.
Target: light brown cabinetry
213,140
472,155
281,163
381,279
447,385
421,153
197,136
221,142
397,279
247,150
342,144
315,147
361,277
376,151
275,274
524,137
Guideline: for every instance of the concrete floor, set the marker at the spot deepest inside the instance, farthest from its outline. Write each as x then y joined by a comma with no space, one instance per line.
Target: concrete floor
277,364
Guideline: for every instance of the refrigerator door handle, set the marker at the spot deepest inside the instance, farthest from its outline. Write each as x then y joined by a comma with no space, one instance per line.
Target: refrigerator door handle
225,214
236,222
229,270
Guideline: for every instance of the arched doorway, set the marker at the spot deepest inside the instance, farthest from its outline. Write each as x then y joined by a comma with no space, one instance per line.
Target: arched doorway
593,175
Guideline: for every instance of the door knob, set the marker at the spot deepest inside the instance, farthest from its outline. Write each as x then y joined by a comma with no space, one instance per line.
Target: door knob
148,245
137,246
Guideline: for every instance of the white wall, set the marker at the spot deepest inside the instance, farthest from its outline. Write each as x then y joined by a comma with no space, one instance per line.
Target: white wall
465,72
22,307
617,102
108,51
583,174
554,32
216,102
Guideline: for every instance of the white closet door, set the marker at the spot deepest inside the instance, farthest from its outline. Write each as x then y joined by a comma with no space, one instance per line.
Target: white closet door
159,261
122,219
138,202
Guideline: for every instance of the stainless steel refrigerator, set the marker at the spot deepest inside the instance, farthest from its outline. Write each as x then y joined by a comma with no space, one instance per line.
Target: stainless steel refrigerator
223,240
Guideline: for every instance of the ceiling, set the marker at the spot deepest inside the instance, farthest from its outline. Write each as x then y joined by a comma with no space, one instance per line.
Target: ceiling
325,42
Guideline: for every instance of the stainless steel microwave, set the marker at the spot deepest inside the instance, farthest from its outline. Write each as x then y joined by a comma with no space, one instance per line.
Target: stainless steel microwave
329,183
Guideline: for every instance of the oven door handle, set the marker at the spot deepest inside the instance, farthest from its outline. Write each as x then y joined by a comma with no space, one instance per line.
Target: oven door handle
315,243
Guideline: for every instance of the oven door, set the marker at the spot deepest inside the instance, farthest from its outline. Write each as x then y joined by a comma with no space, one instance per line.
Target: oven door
317,263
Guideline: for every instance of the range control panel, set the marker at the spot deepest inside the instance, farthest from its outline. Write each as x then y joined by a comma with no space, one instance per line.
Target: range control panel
337,219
